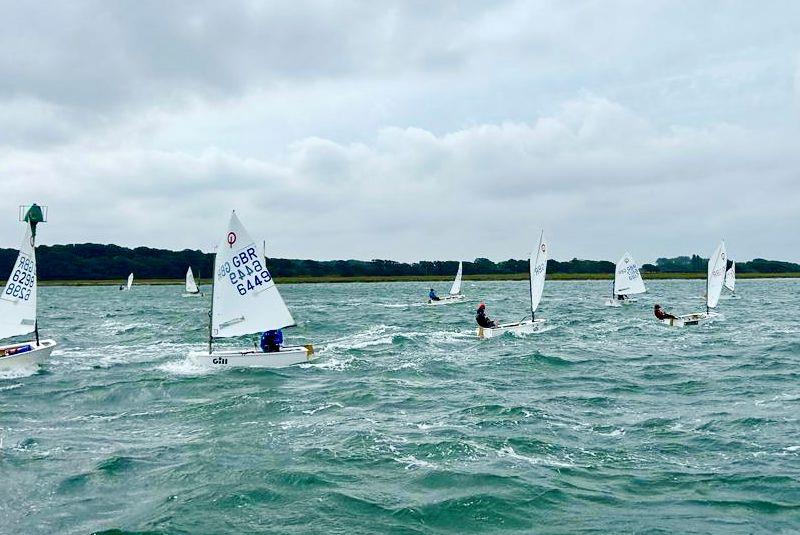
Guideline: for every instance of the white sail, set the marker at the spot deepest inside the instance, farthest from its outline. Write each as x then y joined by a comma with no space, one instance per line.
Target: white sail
456,288
730,277
18,301
627,279
246,299
191,285
716,274
130,282
538,270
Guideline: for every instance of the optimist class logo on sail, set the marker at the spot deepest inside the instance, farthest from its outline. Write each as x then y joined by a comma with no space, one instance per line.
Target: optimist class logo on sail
244,270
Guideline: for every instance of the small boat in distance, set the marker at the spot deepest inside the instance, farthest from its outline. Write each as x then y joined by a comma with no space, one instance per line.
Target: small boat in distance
455,290
18,315
730,280
191,286
537,268
627,281
715,278
127,287
245,300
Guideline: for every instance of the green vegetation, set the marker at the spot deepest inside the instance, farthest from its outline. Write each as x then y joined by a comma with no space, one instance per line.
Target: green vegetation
110,264
423,278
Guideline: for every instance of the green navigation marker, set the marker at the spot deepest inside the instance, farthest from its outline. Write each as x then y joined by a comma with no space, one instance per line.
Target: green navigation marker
33,216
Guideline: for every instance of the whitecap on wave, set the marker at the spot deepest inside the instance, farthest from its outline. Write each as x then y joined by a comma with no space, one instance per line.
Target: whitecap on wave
185,366
508,452
17,373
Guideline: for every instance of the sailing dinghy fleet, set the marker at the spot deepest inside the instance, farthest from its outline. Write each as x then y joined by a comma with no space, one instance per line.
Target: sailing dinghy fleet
245,300
18,302
455,294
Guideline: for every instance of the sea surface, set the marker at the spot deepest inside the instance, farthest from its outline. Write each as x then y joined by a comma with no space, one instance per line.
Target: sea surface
606,422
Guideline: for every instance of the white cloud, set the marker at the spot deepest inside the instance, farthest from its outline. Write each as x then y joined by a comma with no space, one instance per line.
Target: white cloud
405,130
408,194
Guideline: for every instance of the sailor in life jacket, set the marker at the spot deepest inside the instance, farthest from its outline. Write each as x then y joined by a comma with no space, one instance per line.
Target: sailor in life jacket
660,314
482,319
271,341
432,296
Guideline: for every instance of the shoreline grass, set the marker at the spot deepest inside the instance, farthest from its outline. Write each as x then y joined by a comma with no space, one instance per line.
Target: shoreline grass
427,278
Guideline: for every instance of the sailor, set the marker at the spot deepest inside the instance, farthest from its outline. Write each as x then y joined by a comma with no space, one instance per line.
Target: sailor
482,319
432,296
660,314
271,341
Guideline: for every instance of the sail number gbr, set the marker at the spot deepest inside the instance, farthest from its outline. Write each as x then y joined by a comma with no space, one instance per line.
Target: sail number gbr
245,271
20,284
632,270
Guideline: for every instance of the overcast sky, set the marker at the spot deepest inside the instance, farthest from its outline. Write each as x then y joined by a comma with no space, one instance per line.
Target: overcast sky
406,130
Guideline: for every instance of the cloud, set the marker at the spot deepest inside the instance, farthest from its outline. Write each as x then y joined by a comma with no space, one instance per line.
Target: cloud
405,129
597,176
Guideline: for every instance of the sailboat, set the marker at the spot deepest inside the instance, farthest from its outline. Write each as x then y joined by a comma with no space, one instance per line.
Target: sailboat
455,290
245,300
627,281
129,283
730,280
714,281
18,302
191,286
537,267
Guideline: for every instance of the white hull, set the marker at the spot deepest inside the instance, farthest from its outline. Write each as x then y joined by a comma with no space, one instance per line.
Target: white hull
523,327
36,356
691,319
448,299
195,294
250,358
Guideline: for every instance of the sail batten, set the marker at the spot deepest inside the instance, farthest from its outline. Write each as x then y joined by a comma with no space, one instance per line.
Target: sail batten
538,271
456,288
717,265
246,300
18,300
627,278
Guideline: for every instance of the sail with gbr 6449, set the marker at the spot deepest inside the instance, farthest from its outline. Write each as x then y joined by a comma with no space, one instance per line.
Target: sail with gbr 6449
246,299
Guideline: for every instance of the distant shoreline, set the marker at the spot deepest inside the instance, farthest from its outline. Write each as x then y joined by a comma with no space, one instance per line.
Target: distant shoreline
430,278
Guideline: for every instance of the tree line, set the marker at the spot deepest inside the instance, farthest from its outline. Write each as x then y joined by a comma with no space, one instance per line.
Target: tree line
89,261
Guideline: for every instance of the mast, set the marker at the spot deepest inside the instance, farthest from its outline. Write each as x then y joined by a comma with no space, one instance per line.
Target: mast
530,273
211,314
708,276
530,284
33,216
708,282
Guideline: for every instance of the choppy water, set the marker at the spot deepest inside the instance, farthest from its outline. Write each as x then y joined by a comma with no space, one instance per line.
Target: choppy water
607,422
